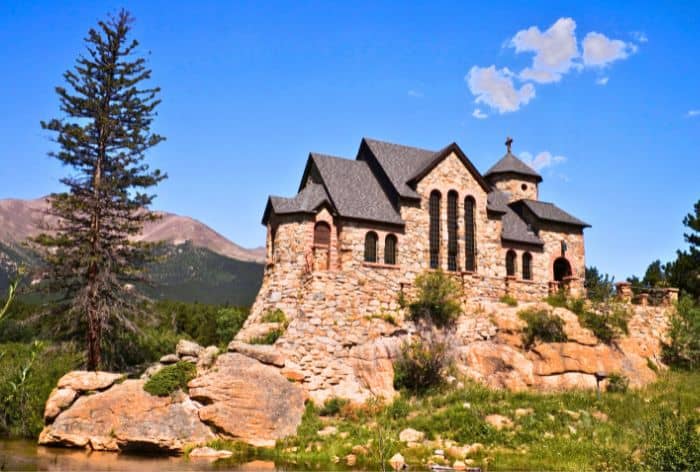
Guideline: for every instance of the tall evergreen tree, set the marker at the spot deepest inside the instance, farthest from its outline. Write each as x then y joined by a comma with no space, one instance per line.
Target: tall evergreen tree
103,137
684,272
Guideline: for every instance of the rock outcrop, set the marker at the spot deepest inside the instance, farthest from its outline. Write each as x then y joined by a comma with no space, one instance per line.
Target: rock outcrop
244,399
126,417
233,396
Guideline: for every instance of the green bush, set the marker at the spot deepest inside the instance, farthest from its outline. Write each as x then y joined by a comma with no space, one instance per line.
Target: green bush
683,348
28,373
171,378
557,300
509,300
543,327
270,338
608,325
229,322
332,406
398,409
617,383
275,316
420,366
438,298
671,442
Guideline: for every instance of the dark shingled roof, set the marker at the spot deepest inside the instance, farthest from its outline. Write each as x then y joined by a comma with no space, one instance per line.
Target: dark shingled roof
517,230
510,164
549,212
497,201
400,163
354,190
306,201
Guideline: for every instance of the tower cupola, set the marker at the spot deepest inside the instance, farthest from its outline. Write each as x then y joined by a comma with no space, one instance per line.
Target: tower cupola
514,177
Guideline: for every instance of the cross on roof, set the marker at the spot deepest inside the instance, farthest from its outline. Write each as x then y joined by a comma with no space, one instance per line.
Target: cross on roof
509,141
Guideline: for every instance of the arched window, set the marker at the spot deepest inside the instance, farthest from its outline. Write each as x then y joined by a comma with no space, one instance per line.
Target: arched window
322,234
469,235
390,244
452,230
527,266
561,269
434,212
510,263
371,247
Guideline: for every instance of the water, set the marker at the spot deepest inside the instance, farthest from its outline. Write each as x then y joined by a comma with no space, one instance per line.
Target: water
26,455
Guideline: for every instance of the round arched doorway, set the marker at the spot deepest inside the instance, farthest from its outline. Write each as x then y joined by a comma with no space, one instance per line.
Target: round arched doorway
562,269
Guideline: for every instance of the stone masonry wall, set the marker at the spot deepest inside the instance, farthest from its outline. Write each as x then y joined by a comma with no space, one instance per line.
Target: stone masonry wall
516,187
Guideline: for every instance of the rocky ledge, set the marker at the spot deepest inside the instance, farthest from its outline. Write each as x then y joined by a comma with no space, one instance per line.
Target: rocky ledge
233,396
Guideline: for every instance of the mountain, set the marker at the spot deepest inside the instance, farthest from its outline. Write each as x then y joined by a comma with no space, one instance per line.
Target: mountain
196,263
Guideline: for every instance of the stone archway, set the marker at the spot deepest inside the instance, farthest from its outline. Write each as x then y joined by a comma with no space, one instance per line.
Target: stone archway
561,269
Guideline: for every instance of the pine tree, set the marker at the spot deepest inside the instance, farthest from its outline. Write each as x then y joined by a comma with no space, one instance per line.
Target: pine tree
102,138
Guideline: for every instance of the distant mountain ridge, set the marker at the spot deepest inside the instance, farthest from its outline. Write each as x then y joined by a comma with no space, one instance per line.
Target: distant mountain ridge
22,219
196,263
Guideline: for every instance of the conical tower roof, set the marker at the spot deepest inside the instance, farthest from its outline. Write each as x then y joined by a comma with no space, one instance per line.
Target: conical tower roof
510,164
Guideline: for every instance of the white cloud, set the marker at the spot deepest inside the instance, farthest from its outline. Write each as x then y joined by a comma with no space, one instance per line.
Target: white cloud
599,50
692,113
555,50
478,114
415,93
494,87
602,80
640,36
542,160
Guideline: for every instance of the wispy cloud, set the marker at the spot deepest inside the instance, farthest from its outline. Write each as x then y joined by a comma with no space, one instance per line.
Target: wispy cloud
479,115
692,113
542,160
639,36
495,88
599,50
415,93
556,53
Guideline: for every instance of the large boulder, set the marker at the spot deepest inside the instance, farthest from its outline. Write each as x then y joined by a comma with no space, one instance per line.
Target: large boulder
264,353
126,417
59,400
247,400
372,363
85,381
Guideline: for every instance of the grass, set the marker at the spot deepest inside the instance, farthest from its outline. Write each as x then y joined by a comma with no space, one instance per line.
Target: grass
541,326
269,338
650,428
170,379
509,300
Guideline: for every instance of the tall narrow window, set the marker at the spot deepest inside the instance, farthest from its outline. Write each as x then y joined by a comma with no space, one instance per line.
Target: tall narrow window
371,247
527,266
452,230
390,249
434,212
469,235
510,263
322,234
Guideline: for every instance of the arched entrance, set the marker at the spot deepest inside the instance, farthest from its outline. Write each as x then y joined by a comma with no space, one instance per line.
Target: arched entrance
562,269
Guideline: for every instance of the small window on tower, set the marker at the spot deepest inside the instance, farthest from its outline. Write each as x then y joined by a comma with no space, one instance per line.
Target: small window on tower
524,187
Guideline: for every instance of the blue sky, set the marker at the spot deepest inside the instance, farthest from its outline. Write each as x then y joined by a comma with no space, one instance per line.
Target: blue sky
250,88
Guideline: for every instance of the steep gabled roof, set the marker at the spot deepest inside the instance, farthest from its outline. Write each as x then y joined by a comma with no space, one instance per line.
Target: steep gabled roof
497,201
546,211
400,163
308,200
353,189
441,155
515,229
509,164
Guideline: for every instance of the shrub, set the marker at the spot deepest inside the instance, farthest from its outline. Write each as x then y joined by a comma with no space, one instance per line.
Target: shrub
617,383
509,300
398,409
28,373
671,442
438,298
608,325
542,326
171,378
557,300
420,366
332,406
683,348
275,316
229,322
268,338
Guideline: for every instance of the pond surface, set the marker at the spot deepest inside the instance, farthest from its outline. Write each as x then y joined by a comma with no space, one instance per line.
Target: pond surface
26,455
